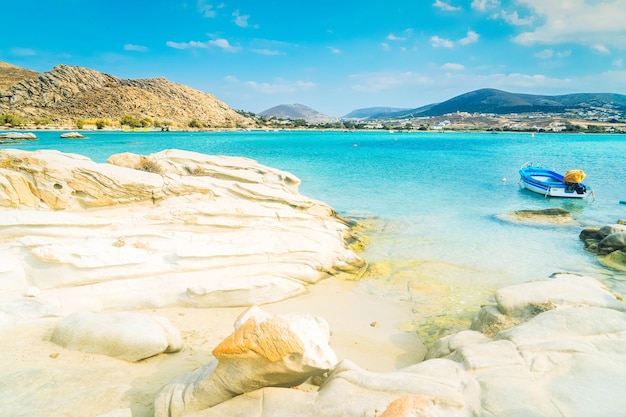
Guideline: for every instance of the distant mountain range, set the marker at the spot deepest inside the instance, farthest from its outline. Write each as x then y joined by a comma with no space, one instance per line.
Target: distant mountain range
297,111
66,94
492,101
369,112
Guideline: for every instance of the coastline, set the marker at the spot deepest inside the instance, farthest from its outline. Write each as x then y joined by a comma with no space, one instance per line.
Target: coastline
374,322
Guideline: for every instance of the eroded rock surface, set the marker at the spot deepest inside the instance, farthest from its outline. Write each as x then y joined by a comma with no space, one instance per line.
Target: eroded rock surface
264,350
174,228
562,361
128,336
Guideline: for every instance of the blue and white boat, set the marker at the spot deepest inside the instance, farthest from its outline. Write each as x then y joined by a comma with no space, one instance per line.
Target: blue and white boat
552,184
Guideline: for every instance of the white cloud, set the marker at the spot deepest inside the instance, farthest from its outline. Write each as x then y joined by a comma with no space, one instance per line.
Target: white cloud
280,86
617,63
453,67
437,42
206,10
334,50
136,48
445,6
223,44
584,22
601,49
385,46
483,5
545,54
514,19
392,37
471,37
377,83
241,20
186,45
23,52
265,51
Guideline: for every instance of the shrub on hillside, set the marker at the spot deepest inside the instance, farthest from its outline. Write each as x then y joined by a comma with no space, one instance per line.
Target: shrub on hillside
196,124
11,120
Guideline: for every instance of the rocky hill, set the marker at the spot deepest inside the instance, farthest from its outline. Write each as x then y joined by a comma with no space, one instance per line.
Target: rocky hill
297,111
10,74
67,93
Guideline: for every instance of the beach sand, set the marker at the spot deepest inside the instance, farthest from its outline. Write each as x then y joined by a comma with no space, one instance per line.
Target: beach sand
48,379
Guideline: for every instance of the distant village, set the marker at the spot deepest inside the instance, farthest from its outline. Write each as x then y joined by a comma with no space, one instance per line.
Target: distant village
600,120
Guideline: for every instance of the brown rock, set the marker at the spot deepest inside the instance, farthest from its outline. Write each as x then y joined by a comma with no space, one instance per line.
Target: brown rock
67,93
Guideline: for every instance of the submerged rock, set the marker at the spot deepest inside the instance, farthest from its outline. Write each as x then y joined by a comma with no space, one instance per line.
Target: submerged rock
544,216
608,242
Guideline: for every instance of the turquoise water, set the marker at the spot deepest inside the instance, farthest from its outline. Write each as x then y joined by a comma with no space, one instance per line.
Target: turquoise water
435,196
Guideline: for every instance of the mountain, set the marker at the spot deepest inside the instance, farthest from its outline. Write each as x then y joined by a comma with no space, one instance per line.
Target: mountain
67,93
494,101
297,111
10,74
372,113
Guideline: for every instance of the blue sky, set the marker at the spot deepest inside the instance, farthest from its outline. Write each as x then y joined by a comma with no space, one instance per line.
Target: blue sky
333,56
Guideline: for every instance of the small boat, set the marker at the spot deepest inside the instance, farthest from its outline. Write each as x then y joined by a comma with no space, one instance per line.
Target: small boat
552,184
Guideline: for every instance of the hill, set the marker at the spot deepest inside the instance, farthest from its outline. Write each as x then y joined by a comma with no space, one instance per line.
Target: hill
10,74
297,111
67,93
494,101
372,113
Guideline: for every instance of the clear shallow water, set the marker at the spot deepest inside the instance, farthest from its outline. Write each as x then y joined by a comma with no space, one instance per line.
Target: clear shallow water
437,196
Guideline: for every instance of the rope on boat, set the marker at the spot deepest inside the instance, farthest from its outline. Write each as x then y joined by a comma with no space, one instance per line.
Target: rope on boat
593,194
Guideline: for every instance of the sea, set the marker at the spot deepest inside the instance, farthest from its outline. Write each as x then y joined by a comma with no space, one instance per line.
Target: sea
437,205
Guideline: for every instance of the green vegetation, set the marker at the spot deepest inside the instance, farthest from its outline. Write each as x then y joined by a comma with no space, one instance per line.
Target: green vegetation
42,122
249,114
133,121
196,124
11,120
162,123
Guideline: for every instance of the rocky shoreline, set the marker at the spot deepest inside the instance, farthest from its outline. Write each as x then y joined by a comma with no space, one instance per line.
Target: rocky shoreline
120,284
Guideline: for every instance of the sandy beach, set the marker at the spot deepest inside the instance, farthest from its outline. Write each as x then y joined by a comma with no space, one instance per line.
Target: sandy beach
364,329
204,239
47,379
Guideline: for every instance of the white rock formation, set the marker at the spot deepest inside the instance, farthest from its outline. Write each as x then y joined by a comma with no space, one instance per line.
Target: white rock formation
127,336
263,351
565,361
197,230
18,135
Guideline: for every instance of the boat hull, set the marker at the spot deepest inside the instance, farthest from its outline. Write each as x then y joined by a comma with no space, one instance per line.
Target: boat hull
550,184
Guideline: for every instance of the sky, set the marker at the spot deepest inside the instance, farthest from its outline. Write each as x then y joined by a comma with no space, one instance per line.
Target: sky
333,56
